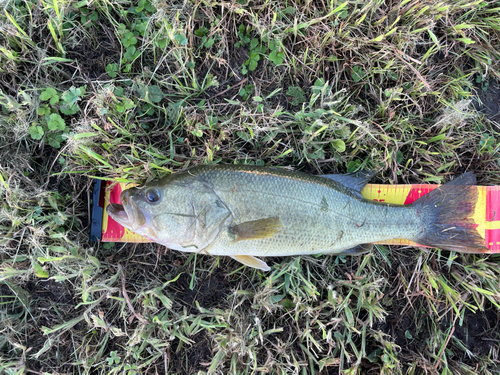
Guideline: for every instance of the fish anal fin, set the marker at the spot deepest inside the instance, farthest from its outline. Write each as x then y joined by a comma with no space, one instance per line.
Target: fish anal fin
358,250
256,229
252,261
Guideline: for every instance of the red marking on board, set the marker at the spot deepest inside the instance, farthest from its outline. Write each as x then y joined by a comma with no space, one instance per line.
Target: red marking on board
493,204
417,192
492,237
113,227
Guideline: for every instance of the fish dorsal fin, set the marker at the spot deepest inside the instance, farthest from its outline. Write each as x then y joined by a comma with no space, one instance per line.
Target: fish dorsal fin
356,181
252,261
256,229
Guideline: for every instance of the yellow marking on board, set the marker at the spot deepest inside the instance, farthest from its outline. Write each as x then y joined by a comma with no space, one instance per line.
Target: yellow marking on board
398,241
492,225
480,211
104,213
130,236
386,193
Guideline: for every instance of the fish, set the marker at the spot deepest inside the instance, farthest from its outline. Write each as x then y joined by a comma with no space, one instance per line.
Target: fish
251,212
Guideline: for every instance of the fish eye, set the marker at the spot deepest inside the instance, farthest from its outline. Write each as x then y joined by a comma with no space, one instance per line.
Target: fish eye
152,196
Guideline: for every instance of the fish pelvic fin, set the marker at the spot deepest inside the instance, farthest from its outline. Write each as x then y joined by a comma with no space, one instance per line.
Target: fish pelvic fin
447,217
252,261
256,229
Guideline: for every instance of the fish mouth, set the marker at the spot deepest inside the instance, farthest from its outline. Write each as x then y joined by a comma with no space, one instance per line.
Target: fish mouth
128,213
118,213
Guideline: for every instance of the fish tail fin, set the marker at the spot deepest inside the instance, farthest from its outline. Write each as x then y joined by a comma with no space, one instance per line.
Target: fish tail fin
447,217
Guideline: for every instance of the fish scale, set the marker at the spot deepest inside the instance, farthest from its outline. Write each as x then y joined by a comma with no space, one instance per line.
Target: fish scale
307,227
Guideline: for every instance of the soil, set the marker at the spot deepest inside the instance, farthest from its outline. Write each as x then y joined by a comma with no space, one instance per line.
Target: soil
208,292
54,303
479,331
411,330
489,95
94,53
198,355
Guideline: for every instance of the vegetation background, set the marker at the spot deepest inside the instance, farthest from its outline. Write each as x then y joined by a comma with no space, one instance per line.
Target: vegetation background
127,91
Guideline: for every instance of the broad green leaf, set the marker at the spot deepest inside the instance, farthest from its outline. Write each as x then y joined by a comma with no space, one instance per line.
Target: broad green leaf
181,39
43,110
339,145
276,57
50,94
125,105
202,31
55,140
129,39
36,132
357,73
252,65
56,122
39,271
161,43
253,43
69,109
111,69
254,56
155,94
71,96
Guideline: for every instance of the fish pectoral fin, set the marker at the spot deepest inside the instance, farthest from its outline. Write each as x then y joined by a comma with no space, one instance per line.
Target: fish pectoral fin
255,230
358,250
252,261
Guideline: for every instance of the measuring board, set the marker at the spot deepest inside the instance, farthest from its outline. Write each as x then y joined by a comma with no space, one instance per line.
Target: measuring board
486,215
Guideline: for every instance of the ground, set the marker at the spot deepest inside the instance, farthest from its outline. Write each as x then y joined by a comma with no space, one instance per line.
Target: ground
131,91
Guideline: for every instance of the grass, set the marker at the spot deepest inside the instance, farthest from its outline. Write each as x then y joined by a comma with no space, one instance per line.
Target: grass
129,91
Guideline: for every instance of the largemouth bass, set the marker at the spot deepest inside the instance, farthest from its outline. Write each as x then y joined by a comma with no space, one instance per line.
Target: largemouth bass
247,212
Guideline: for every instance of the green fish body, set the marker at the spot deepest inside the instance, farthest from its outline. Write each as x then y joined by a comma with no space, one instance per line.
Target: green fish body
247,212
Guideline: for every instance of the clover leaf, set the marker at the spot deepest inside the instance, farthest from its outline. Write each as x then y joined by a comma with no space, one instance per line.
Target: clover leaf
131,54
357,73
51,95
154,93
36,132
129,39
112,69
70,109
72,95
181,39
56,122
276,57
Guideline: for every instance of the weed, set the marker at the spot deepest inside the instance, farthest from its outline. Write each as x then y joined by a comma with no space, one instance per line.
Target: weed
51,123
297,94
